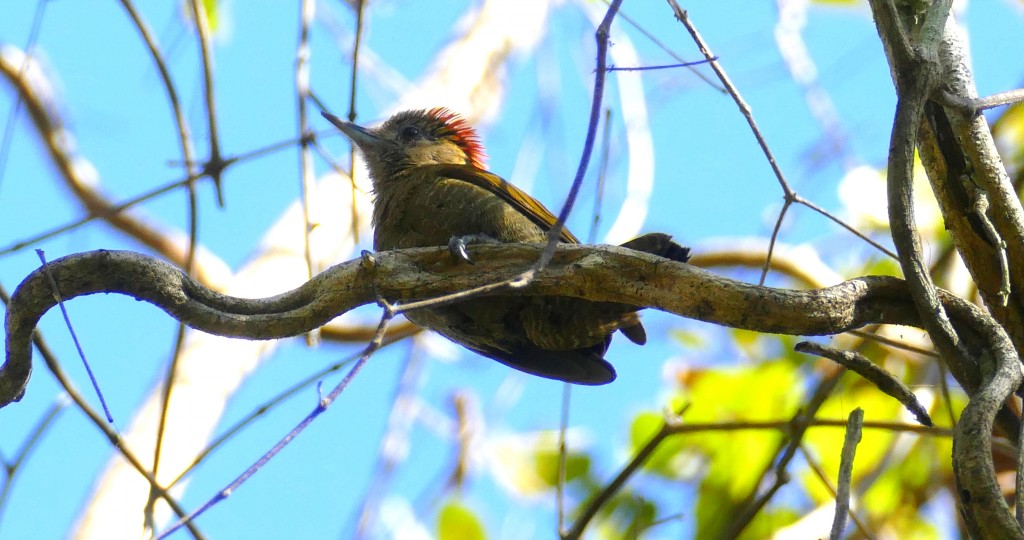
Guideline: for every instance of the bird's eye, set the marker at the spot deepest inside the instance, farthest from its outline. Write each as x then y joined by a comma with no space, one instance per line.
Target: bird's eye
410,132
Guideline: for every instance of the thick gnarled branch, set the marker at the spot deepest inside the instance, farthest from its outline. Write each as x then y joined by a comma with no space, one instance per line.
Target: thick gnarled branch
604,273
925,52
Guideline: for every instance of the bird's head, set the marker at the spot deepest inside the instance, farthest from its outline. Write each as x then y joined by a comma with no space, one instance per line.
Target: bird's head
413,138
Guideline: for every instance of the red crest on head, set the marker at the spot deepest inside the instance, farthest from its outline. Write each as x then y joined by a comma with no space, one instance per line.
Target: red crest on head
462,134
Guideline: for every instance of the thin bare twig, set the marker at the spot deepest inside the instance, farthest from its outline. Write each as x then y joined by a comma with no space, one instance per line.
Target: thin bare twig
396,433
390,337
183,131
853,429
800,200
563,452
590,508
104,427
30,43
306,184
657,42
11,467
1018,506
818,471
602,38
74,335
170,377
684,18
882,379
357,45
678,428
974,106
658,67
214,166
787,450
112,209
322,404
602,173
894,343
785,425
789,196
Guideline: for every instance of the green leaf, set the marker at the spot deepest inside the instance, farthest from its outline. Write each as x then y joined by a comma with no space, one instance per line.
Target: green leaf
670,457
546,464
457,522
212,12
751,343
882,266
1009,132
735,459
689,339
626,516
768,521
527,464
826,443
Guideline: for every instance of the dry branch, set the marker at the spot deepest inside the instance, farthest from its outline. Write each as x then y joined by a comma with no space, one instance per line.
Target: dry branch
605,273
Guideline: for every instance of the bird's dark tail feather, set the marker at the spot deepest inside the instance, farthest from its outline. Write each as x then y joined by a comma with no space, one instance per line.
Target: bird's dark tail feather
581,366
659,244
662,245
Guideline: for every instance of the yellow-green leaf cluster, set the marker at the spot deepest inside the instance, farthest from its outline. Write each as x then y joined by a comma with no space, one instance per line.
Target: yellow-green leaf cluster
730,458
458,522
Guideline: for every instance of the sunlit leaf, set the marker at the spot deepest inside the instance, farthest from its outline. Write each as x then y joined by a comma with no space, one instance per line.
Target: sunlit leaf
911,484
1009,132
749,342
546,465
626,517
766,522
883,266
731,461
888,505
863,194
212,11
826,443
457,522
668,458
210,7
689,339
527,464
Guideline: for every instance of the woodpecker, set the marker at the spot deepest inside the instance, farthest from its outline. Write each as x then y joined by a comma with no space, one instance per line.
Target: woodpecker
432,188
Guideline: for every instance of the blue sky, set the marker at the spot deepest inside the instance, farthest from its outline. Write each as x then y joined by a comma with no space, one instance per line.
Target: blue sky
711,186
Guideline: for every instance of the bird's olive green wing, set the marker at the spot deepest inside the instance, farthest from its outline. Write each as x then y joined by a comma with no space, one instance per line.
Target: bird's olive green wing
514,196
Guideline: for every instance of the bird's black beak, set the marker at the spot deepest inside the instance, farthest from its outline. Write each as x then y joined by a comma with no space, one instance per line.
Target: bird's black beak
363,137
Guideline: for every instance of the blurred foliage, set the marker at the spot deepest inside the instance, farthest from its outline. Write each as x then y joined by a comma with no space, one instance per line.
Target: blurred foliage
1009,131
740,416
457,522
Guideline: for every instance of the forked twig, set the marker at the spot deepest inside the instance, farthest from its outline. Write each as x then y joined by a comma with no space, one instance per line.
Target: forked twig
322,404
